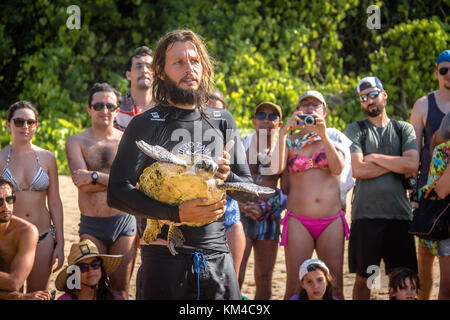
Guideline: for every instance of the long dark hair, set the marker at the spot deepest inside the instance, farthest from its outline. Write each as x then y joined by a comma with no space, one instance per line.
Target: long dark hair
102,291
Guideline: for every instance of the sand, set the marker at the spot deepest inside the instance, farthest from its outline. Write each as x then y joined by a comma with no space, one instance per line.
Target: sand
72,218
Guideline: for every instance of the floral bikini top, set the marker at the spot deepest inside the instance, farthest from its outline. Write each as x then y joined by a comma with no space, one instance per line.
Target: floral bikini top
298,163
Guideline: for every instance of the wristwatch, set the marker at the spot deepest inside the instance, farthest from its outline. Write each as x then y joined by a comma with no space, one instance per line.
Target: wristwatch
94,176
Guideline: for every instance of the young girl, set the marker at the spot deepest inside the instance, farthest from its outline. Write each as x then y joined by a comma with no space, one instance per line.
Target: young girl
95,270
315,281
403,284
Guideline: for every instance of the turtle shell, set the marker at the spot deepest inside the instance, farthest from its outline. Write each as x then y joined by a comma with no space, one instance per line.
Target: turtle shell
174,184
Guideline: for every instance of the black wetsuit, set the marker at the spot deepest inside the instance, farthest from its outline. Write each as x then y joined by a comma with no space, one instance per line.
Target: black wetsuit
179,131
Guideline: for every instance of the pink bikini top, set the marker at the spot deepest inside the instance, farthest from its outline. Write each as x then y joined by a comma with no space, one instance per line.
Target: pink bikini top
298,163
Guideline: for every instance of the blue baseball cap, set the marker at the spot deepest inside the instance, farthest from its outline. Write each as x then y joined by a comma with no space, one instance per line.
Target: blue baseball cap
368,82
443,56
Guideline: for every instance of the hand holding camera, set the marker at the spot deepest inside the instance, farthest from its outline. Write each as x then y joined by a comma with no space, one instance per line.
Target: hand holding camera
306,120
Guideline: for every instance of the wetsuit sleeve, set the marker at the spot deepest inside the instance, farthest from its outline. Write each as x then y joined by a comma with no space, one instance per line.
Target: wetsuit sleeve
240,171
125,171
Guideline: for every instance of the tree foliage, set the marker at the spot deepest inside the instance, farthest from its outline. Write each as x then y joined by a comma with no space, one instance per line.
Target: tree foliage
264,50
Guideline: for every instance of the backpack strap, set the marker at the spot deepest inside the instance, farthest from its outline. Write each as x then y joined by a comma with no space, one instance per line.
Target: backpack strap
398,131
363,129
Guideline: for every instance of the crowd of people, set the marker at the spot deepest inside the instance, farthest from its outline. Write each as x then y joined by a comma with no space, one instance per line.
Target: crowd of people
309,167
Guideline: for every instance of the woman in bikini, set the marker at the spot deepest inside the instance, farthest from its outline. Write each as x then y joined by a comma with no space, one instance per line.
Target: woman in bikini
315,157
34,174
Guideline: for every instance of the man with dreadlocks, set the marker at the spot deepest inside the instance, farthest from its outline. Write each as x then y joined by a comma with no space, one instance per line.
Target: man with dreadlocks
182,124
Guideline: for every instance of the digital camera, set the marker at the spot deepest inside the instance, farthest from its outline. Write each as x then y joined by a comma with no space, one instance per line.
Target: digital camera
306,120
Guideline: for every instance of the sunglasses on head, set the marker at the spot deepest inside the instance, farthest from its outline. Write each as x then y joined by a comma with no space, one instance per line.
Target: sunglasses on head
20,122
261,115
84,267
9,200
443,71
100,105
372,95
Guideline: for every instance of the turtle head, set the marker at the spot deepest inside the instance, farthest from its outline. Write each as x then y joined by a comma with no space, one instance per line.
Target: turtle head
206,165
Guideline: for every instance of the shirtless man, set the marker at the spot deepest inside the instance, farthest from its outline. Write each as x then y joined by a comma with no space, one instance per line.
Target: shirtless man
18,239
90,155
262,221
426,117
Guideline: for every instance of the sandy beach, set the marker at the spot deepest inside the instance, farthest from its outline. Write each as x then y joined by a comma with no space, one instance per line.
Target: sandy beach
69,197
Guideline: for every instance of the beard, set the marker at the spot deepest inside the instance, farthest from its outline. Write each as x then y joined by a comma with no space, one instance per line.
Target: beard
180,96
4,220
376,111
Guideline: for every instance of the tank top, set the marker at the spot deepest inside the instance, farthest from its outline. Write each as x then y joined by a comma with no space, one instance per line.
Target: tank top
434,118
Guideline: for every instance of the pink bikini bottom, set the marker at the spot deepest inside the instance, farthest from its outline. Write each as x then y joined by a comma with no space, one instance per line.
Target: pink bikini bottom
315,226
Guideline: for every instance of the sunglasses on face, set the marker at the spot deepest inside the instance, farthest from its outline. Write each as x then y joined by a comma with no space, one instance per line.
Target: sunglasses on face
9,200
261,115
372,95
100,105
84,267
443,71
20,122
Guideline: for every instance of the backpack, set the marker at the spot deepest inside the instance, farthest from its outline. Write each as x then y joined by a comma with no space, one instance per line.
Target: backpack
363,129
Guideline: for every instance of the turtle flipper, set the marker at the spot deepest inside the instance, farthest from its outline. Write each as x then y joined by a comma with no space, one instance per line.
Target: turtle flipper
245,191
245,187
159,153
174,239
151,231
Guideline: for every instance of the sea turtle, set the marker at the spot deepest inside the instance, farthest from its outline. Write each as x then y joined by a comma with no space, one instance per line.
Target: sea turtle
174,179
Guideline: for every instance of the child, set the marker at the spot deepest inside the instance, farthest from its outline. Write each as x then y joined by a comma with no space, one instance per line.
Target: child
95,270
315,280
403,284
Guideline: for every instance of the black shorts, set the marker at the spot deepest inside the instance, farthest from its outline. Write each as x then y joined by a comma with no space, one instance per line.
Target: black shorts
374,239
168,277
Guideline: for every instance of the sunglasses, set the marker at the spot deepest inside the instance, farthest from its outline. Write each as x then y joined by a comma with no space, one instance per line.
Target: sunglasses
443,71
372,95
100,105
19,122
84,267
9,200
261,115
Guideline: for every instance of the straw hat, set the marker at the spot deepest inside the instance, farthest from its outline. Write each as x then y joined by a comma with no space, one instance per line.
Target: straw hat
84,250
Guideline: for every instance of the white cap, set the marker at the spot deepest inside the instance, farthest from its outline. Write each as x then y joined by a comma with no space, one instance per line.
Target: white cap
304,267
368,82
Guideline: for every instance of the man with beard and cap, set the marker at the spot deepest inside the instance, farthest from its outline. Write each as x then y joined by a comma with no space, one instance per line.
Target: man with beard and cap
426,116
383,152
18,239
181,123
